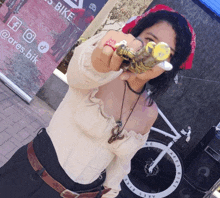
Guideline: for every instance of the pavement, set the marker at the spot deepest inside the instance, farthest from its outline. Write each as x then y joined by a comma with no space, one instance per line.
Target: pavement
19,121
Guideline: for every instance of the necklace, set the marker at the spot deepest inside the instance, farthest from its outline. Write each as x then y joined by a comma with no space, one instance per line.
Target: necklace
138,93
116,132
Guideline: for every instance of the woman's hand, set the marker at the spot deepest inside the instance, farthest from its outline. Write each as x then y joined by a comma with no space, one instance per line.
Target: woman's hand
104,57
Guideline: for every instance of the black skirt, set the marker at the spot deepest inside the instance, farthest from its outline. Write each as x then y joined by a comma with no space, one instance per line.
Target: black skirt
19,180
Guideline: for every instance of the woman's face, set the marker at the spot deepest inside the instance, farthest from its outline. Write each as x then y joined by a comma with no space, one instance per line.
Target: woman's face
160,32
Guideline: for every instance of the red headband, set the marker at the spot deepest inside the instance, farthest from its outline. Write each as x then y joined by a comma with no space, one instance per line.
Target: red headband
133,22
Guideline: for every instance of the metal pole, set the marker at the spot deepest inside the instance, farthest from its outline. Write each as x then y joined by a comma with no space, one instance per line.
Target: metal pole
15,88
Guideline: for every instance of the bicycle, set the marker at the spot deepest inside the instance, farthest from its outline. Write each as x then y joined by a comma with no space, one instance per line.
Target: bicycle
153,162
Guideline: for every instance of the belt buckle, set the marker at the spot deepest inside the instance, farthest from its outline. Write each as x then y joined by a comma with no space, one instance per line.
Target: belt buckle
68,193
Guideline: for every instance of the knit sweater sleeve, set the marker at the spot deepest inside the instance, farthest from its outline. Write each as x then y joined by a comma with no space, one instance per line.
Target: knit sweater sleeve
120,166
81,74
115,172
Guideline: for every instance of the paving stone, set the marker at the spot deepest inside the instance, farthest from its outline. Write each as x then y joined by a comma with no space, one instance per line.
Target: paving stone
8,111
17,137
30,129
30,118
3,96
15,117
13,130
11,153
46,117
1,107
34,134
38,118
9,93
3,125
1,85
16,142
37,125
19,110
6,103
27,140
21,107
4,88
23,123
1,117
4,137
15,99
6,148
23,134
3,160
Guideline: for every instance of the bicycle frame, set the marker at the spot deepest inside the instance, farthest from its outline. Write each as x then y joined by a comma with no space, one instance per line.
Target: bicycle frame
177,135
174,139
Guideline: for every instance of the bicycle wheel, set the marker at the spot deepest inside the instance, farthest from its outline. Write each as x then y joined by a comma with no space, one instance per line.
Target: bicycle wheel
165,177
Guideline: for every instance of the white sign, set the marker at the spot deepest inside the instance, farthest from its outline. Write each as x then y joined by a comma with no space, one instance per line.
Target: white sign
75,3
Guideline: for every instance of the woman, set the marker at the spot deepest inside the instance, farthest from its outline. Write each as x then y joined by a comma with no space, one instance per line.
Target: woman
104,119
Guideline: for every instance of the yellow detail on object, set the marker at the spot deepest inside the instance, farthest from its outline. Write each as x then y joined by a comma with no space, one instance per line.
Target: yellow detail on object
82,39
150,46
161,51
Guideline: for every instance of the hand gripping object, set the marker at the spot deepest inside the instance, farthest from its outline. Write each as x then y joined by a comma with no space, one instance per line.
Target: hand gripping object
146,58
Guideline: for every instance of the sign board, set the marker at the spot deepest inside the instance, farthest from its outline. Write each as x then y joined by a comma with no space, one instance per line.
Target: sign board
36,35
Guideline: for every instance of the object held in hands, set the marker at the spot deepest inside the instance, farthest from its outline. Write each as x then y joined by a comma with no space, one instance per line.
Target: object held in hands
146,58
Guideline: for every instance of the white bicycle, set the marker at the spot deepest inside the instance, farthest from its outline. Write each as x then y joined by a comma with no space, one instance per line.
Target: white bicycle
156,169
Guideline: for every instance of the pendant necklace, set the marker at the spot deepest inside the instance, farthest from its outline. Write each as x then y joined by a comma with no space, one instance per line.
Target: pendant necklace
116,131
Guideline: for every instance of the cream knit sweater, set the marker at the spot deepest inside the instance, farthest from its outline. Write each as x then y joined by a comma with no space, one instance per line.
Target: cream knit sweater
80,128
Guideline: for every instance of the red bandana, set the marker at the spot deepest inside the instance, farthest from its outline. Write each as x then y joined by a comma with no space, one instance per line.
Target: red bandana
133,22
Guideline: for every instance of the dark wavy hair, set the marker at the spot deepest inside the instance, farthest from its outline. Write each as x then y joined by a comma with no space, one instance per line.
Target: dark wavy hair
160,84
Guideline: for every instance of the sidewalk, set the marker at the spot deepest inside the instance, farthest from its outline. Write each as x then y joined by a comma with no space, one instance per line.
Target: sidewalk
19,121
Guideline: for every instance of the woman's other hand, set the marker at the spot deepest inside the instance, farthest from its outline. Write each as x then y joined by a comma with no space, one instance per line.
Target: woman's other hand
104,57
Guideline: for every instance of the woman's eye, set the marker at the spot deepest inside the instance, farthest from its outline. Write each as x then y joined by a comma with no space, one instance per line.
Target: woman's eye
149,39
